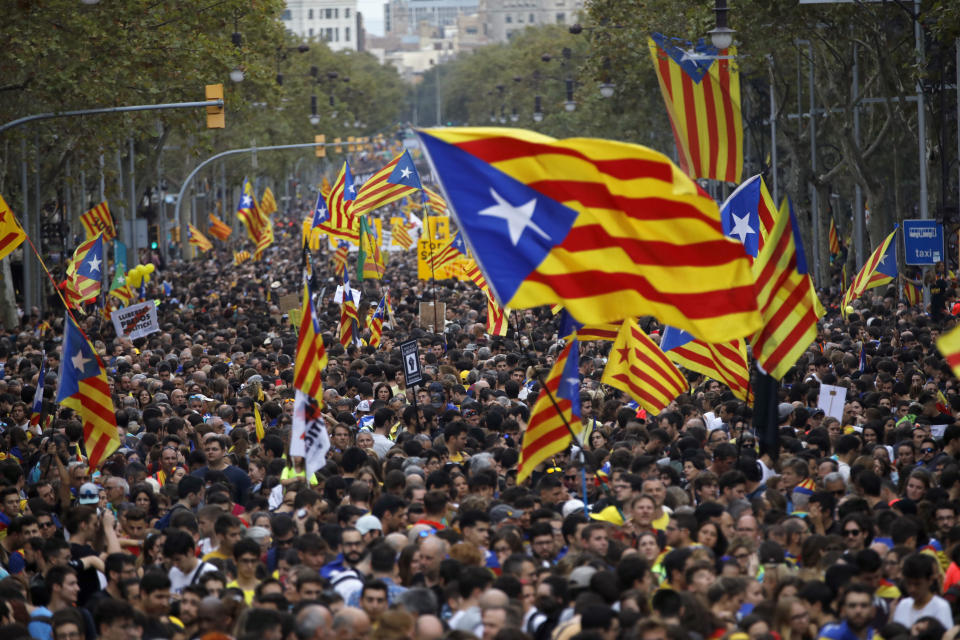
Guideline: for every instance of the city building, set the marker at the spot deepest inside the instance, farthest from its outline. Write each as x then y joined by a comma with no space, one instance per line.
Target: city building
407,17
502,18
335,22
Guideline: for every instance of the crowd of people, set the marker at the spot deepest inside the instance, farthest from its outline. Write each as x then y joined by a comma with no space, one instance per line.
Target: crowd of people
672,526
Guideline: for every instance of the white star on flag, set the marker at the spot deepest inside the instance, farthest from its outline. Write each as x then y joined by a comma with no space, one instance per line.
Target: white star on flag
405,173
741,227
95,263
78,361
245,201
518,218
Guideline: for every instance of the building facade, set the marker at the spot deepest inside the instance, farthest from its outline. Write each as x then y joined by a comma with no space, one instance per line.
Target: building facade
409,17
503,18
335,22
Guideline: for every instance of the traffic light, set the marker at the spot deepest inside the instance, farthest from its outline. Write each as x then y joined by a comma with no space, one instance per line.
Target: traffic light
337,148
154,233
215,117
175,233
351,147
320,149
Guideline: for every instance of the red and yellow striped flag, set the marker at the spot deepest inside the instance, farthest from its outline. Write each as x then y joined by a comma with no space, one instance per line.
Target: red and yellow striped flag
311,356
701,90
396,180
948,345
197,239
340,258
99,220
268,204
349,319
434,201
239,257
547,433
11,235
498,318
725,362
912,294
400,236
879,269
834,237
637,366
219,229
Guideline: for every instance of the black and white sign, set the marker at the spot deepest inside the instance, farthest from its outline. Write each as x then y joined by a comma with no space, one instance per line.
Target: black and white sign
410,354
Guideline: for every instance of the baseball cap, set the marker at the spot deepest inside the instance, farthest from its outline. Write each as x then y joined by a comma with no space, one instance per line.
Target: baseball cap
364,405
784,410
368,523
571,506
609,514
503,511
580,577
89,494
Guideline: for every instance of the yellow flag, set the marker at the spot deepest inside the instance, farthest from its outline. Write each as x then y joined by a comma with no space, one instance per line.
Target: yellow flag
258,420
11,235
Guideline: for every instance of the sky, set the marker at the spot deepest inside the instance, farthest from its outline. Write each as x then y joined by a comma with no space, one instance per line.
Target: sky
372,11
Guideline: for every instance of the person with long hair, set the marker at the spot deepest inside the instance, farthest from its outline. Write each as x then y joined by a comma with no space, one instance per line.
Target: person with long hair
791,619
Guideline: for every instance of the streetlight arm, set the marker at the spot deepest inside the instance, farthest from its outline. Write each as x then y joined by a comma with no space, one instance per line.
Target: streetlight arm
85,112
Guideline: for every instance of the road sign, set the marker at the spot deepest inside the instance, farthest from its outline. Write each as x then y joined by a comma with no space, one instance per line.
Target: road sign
922,242
410,354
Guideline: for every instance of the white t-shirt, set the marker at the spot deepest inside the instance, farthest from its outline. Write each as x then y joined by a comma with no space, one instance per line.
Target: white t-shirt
938,608
180,580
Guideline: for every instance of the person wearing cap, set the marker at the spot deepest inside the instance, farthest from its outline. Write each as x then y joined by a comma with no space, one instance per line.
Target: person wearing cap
370,528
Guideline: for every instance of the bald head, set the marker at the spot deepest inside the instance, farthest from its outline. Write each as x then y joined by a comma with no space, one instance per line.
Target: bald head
428,628
493,599
313,621
212,615
351,623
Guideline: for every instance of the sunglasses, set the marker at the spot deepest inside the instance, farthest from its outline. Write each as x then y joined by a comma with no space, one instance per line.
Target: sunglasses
851,532
927,450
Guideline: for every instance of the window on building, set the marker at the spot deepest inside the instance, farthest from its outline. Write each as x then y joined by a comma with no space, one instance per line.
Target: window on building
310,32
346,12
309,14
561,18
533,19
336,13
508,19
328,13
346,33
336,34
286,15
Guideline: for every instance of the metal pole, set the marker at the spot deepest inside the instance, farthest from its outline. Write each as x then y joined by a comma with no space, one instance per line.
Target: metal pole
773,139
814,196
87,112
28,259
439,117
103,186
83,203
133,200
67,204
858,218
162,205
36,285
921,113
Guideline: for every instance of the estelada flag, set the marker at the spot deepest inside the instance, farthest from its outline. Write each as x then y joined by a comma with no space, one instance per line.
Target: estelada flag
219,229
607,229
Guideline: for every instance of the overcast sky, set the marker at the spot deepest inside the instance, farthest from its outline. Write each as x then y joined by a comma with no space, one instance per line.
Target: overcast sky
372,11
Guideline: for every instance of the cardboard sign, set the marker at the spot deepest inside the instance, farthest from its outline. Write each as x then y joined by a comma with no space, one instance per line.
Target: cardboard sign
832,400
289,301
136,321
432,319
410,354
427,248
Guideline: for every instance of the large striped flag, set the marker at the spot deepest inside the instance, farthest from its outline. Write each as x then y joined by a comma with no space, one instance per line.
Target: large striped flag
219,229
451,251
400,235
748,215
268,204
637,366
340,258
84,388
472,271
311,356
725,362
85,272
266,238
124,294
199,240
11,234
369,259
556,408
879,269
701,90
331,214
434,201
786,296
249,212
912,294
833,237
98,220
568,325
948,344
608,229
396,180
376,322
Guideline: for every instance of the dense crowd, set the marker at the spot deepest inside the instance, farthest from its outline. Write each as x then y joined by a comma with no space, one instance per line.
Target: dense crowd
669,526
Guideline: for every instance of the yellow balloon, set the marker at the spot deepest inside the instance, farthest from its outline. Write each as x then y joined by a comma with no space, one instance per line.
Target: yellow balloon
150,268
850,309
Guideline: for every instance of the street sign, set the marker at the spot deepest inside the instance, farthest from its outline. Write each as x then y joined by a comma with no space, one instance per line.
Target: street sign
410,354
922,242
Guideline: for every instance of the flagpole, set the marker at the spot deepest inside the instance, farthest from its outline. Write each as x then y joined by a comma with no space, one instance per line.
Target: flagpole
433,273
576,438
